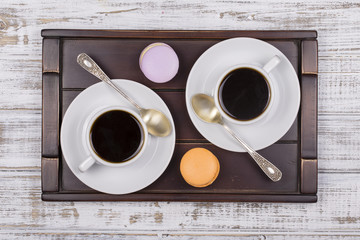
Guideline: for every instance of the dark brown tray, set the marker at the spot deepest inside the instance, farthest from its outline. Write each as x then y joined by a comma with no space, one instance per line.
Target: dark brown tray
117,53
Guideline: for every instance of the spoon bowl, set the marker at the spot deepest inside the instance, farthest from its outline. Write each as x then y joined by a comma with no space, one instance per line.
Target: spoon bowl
156,122
204,107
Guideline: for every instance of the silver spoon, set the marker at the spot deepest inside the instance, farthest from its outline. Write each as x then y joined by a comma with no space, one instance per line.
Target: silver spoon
205,108
156,122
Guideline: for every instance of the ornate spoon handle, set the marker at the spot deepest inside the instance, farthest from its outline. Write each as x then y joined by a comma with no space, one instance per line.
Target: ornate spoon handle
90,65
268,168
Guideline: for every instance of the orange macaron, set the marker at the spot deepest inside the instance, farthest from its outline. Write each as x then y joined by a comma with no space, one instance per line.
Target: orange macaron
199,167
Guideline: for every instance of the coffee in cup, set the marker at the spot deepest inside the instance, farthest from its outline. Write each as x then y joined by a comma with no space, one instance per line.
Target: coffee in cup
116,136
113,136
244,92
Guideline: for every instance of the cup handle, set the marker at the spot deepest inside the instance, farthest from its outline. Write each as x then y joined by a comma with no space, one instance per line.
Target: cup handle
270,65
85,165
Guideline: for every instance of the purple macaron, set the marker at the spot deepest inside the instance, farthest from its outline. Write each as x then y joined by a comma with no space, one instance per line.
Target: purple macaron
159,62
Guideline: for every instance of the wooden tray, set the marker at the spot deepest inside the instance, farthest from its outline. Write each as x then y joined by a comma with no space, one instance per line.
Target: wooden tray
240,179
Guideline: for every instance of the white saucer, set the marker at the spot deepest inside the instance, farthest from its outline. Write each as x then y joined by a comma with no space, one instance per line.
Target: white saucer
116,180
209,68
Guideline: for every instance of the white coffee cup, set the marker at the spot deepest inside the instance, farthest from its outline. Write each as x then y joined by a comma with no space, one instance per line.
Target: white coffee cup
265,71
92,157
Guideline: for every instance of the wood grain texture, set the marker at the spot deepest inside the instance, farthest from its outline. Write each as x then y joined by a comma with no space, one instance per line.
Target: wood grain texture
337,210
20,139
50,115
335,216
309,116
336,23
51,57
112,53
338,147
80,235
309,175
49,174
309,63
238,175
185,34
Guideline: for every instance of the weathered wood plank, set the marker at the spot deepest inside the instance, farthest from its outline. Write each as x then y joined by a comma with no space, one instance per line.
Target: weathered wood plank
51,55
20,139
309,175
188,34
337,210
50,115
309,51
337,24
339,93
80,235
24,92
49,174
309,116
20,135
119,58
339,142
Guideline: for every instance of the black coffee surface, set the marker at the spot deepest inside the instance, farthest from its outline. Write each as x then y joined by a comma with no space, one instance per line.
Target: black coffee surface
244,94
116,136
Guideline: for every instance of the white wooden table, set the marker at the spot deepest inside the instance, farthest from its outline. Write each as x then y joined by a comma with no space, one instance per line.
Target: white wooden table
337,213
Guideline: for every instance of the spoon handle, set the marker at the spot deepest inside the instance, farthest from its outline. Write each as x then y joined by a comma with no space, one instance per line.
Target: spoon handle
90,65
268,168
